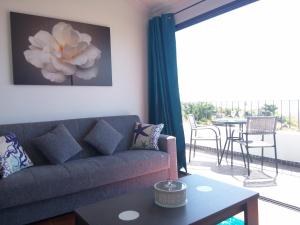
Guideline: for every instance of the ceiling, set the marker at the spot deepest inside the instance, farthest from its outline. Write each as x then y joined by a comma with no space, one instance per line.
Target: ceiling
158,5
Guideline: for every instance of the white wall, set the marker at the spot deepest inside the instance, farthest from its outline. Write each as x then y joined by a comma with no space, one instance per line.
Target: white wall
128,24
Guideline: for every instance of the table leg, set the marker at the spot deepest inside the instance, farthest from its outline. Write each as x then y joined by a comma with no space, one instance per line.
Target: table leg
227,141
222,152
230,145
251,212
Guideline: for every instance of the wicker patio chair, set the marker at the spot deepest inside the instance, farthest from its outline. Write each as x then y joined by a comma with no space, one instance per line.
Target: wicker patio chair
259,126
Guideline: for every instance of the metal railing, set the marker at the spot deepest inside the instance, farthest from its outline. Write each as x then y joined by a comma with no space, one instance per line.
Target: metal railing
287,111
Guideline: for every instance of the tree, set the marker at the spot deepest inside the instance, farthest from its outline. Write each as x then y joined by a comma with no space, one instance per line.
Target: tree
202,111
268,110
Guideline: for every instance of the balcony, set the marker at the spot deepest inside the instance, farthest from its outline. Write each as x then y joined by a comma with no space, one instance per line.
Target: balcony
281,189
288,126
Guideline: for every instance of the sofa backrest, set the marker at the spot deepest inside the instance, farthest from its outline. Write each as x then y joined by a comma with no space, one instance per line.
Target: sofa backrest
77,127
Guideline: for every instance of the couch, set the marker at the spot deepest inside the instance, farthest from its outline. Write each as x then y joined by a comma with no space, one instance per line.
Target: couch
46,190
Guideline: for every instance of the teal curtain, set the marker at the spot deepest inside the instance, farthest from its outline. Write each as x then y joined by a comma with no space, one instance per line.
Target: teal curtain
164,100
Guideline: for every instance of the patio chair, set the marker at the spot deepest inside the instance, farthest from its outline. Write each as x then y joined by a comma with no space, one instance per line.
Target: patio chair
203,133
259,126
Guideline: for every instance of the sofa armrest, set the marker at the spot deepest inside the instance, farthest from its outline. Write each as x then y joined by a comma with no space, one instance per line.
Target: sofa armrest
167,144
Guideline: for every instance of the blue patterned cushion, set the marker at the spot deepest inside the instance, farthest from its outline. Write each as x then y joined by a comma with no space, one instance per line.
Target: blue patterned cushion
12,156
145,136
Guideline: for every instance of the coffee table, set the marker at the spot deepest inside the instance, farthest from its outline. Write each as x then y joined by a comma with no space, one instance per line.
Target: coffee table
209,202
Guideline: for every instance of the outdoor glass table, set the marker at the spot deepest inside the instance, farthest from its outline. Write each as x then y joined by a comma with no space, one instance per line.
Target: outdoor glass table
230,124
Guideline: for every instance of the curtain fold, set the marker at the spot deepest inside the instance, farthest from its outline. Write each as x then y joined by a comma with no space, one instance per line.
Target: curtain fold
163,90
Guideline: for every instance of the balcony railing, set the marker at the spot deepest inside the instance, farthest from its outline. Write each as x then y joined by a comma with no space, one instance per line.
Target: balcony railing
287,111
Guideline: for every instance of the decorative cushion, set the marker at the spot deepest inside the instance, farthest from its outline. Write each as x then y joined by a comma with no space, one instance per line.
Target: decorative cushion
12,156
57,145
104,137
145,136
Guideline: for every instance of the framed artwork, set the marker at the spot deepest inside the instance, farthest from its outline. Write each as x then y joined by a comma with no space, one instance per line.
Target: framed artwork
48,51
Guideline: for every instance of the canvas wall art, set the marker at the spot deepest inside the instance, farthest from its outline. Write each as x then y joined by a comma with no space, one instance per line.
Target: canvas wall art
48,51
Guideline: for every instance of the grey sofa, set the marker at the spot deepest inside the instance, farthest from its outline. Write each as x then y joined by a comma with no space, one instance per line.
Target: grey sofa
47,190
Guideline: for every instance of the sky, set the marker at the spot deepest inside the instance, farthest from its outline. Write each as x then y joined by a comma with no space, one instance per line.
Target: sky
250,53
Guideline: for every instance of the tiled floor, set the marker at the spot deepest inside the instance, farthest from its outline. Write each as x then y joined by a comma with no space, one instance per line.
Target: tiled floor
284,188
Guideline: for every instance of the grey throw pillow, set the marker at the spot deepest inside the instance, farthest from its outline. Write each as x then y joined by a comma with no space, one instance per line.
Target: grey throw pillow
104,137
145,136
57,145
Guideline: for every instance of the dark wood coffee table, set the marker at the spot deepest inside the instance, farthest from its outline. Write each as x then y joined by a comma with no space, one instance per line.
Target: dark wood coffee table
203,207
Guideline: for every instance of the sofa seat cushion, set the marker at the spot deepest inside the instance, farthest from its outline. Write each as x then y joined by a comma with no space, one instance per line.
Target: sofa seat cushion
50,181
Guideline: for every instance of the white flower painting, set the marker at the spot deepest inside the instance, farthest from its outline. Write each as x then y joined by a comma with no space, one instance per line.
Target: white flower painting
60,53
64,52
